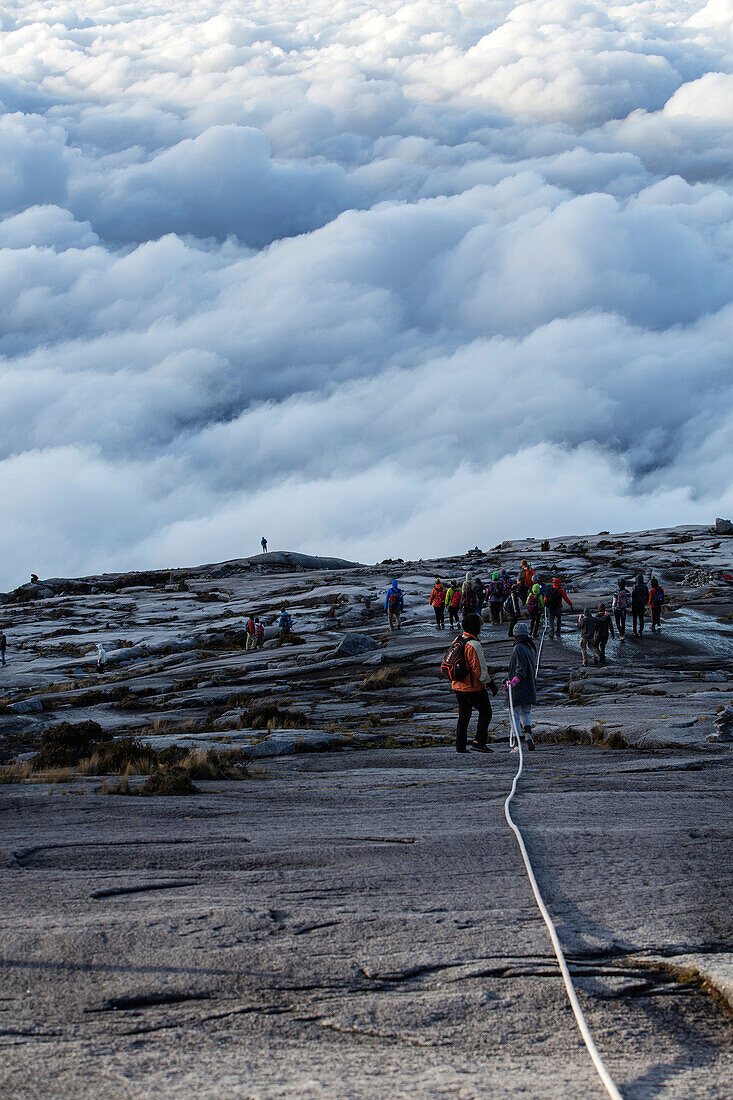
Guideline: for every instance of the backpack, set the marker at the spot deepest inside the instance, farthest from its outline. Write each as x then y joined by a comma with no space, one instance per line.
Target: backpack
532,604
456,601
509,606
393,599
659,595
622,600
251,627
454,664
470,603
553,599
439,598
260,632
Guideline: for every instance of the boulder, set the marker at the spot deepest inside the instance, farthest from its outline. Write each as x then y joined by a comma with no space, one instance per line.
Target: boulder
26,706
723,527
351,645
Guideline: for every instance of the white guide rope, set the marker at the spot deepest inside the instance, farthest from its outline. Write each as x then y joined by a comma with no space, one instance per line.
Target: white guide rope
601,1070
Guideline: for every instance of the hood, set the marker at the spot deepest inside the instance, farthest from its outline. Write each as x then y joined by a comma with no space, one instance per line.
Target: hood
468,578
536,589
556,582
494,576
640,578
524,639
395,584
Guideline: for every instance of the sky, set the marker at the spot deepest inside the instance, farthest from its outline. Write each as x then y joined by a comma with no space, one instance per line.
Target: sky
373,280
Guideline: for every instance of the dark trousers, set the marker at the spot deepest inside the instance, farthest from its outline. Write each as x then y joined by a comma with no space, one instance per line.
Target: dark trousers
601,643
513,620
637,614
555,618
439,616
454,614
468,701
534,625
495,611
620,617
656,615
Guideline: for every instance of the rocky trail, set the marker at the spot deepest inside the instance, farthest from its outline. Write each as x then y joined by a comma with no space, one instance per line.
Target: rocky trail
353,919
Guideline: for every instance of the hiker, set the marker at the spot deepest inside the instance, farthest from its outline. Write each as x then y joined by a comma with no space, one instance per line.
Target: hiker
263,544
523,681
525,580
101,657
639,600
656,599
453,600
496,598
260,635
587,624
469,677
437,602
553,602
394,603
469,602
34,578
535,609
478,587
513,609
604,626
621,603
3,647
285,624
250,631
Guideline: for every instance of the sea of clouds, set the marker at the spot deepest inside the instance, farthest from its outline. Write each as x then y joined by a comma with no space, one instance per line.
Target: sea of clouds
370,279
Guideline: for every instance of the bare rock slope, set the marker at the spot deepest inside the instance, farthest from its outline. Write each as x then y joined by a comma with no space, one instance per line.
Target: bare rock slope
353,919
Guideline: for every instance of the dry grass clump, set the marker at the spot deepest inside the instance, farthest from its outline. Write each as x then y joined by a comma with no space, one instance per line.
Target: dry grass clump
16,772
383,678
266,714
289,639
127,756
65,745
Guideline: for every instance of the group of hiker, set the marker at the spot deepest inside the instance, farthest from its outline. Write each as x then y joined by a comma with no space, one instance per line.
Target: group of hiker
506,599
254,631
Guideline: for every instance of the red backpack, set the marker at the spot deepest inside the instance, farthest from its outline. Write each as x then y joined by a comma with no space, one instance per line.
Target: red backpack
454,664
456,601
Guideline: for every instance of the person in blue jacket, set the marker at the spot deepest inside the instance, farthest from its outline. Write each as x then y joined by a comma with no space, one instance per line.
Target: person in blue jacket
394,604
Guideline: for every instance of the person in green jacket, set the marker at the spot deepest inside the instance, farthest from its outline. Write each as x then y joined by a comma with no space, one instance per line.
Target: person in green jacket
535,609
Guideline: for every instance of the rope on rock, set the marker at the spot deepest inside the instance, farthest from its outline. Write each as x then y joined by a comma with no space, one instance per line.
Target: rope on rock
598,1063
539,651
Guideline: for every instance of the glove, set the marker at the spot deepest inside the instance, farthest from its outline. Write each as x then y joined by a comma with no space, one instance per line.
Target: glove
512,683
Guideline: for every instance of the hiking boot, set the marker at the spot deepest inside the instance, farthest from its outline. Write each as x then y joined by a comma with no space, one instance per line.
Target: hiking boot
461,750
480,748
530,742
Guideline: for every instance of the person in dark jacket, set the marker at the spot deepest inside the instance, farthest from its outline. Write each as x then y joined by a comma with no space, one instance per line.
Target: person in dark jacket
523,680
639,600
3,647
496,598
587,624
513,609
604,626
621,603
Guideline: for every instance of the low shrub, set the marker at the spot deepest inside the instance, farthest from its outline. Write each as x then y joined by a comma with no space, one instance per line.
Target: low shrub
64,745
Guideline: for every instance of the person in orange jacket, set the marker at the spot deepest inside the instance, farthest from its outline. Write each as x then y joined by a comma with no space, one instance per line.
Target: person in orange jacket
471,693
526,579
437,602
553,602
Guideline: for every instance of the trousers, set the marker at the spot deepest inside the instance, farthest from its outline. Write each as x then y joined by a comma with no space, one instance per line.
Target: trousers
467,702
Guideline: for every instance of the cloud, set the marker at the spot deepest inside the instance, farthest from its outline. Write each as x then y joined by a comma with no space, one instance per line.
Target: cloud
377,283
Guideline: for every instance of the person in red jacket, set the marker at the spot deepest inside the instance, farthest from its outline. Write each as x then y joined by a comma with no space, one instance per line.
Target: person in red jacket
656,599
471,693
437,602
553,602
